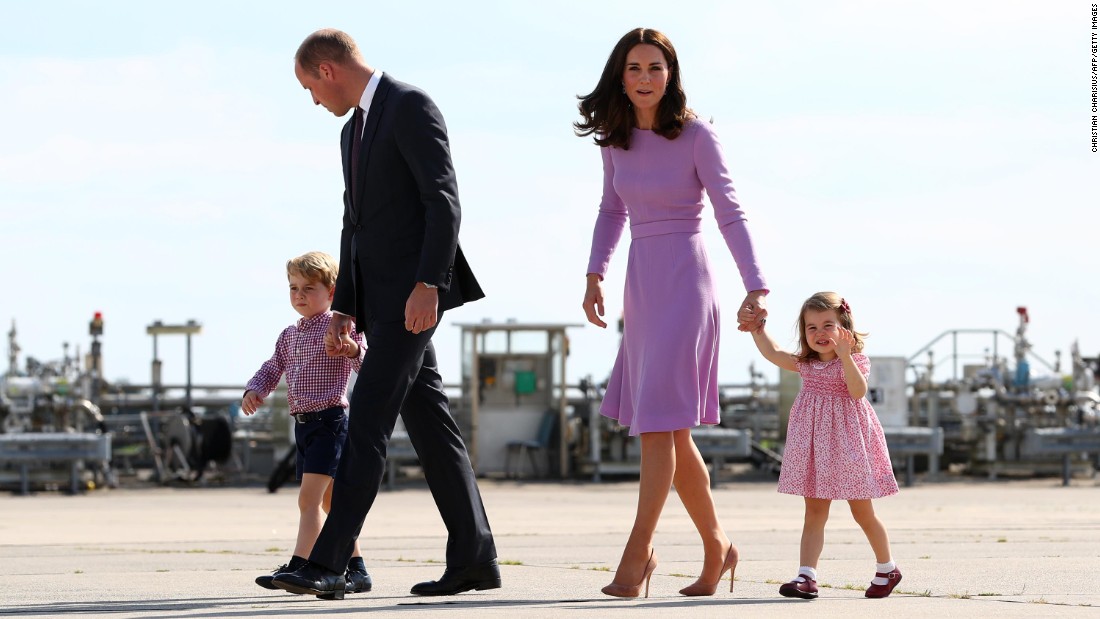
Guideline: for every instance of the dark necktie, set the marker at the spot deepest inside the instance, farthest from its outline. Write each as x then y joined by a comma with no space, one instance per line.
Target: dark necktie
356,147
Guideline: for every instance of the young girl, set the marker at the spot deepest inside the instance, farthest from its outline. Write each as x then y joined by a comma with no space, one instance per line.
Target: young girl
835,446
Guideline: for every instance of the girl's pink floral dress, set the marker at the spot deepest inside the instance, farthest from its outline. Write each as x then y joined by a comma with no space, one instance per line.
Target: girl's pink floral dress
835,447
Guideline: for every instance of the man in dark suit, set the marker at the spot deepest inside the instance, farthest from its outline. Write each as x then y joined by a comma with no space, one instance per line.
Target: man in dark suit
400,268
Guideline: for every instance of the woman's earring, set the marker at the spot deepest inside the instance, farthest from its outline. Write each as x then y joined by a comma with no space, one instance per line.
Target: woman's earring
624,89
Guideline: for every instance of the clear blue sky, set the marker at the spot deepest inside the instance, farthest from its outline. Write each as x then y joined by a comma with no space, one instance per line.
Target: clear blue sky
929,160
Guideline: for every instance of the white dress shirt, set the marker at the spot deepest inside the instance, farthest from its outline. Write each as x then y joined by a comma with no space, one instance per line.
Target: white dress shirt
368,96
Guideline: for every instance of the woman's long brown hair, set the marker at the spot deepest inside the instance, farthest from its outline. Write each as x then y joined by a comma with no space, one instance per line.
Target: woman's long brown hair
607,111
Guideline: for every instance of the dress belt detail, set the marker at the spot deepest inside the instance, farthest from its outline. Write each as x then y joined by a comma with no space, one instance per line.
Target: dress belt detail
665,226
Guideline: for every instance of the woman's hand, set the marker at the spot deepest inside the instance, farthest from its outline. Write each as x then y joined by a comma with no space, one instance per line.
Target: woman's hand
593,301
753,312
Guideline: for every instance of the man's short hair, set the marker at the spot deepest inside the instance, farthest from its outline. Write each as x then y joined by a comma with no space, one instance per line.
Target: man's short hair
327,45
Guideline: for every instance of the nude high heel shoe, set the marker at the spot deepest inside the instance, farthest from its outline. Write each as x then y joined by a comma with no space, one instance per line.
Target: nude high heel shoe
633,591
702,588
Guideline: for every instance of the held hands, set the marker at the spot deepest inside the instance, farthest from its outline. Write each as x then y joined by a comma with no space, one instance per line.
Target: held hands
593,301
421,310
342,346
843,342
251,402
753,312
338,342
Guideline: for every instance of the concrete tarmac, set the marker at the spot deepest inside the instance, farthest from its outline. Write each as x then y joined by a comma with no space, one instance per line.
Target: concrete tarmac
966,548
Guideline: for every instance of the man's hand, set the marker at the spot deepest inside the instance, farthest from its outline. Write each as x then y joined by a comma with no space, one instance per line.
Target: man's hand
421,310
338,335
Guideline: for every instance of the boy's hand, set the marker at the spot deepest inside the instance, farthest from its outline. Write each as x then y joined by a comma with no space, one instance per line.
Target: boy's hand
338,329
251,402
348,346
341,346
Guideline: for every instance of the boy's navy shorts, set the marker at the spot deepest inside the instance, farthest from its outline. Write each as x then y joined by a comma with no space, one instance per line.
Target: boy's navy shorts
319,438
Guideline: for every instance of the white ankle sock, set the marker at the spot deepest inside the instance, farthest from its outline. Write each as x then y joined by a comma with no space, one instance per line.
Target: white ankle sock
804,572
883,568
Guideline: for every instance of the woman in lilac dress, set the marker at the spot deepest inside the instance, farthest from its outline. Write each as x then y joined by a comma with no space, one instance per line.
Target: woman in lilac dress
658,159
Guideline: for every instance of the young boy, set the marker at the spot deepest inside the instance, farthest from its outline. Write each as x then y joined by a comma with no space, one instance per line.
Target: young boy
317,385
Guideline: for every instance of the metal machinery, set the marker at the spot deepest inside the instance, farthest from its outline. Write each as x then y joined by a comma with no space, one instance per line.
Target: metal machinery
61,420
992,418
61,423
998,418
51,432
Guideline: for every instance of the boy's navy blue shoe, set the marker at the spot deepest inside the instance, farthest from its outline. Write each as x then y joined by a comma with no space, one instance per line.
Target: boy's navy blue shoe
358,581
313,579
265,580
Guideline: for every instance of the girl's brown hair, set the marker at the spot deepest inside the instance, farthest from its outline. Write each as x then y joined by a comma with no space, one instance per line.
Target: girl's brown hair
820,302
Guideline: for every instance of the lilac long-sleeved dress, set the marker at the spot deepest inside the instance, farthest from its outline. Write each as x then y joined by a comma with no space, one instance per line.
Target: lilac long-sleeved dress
666,374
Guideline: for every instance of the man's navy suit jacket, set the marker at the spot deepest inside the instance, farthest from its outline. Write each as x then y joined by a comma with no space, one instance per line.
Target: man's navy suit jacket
402,226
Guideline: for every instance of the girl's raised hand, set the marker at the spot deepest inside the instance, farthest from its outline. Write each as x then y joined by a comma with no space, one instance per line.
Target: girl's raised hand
843,342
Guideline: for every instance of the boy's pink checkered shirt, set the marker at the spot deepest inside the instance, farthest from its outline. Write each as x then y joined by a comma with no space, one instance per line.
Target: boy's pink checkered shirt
315,381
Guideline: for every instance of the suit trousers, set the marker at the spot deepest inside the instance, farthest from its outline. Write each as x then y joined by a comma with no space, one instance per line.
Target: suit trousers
399,375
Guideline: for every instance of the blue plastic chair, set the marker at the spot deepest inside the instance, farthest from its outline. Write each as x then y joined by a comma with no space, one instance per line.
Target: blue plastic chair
531,448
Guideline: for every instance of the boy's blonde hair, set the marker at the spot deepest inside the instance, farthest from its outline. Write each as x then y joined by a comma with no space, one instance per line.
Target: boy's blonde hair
821,302
316,266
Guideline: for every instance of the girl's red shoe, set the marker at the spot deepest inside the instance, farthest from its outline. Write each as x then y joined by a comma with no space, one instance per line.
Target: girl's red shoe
806,589
893,577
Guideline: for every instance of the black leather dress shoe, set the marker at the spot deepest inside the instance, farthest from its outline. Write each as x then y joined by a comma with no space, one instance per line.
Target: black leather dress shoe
357,582
265,580
313,579
456,580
